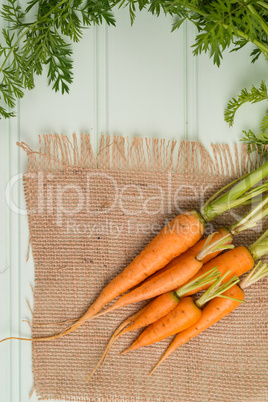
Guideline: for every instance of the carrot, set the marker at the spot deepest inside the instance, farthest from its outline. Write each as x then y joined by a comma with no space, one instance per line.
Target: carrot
216,310
235,268
183,232
159,307
193,252
155,310
248,221
164,303
181,317
174,239
176,276
212,313
185,314
238,261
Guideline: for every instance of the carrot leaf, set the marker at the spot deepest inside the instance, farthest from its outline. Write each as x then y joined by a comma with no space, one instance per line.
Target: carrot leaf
202,280
218,245
260,247
250,220
257,273
239,194
216,289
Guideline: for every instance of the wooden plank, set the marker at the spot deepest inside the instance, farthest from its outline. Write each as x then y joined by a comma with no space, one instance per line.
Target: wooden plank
145,77
5,350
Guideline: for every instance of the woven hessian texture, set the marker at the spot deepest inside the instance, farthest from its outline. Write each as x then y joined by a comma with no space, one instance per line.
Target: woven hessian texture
82,235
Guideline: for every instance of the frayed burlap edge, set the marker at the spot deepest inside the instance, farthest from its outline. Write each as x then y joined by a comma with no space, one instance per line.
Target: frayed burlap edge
58,153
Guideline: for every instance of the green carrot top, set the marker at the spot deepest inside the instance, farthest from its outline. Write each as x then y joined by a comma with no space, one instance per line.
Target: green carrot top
238,195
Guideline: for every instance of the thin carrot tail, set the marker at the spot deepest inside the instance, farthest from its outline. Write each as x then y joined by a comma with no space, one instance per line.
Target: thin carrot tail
103,357
164,357
14,337
114,337
69,330
94,310
121,302
86,317
108,310
121,330
50,324
126,351
126,330
135,345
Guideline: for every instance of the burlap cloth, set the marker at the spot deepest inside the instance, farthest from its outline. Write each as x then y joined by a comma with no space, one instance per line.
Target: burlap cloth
89,217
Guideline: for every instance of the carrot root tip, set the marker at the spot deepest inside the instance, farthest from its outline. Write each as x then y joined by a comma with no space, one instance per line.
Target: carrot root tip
89,377
124,352
153,370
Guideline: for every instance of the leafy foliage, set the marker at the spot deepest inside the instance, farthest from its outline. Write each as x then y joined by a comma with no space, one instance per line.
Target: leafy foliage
253,96
221,23
29,46
259,140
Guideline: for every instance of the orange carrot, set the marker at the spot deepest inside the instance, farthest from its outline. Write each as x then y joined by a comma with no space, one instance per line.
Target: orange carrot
236,261
212,313
193,252
175,238
216,310
166,302
170,324
183,232
248,221
239,260
158,308
165,282
155,310
185,314
175,276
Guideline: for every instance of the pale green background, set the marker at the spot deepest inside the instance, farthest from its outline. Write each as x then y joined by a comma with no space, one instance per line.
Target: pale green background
140,80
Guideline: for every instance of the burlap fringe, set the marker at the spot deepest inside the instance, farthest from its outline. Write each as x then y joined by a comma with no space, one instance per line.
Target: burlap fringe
58,153
87,399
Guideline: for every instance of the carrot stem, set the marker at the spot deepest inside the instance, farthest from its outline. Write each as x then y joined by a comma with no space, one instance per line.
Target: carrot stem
250,220
260,247
216,290
202,280
218,245
257,273
236,196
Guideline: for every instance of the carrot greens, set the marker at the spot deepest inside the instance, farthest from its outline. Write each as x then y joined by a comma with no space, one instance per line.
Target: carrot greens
216,290
255,95
39,34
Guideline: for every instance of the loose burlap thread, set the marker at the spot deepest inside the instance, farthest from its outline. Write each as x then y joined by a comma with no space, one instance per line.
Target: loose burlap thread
89,216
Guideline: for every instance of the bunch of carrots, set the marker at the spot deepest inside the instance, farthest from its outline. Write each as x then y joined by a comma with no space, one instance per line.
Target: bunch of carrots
177,263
